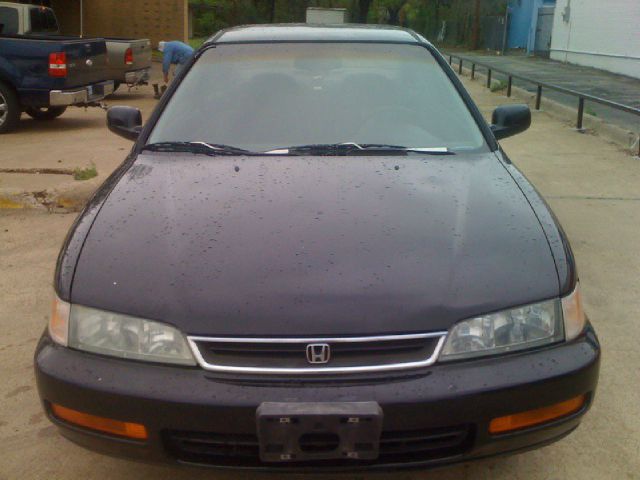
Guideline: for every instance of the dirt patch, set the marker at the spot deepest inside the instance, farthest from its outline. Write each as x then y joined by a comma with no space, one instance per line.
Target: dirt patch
48,171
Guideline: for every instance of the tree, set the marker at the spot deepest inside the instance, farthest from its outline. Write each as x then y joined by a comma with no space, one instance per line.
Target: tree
475,37
393,10
363,10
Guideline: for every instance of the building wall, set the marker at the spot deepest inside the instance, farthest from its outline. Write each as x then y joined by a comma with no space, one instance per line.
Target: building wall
598,33
153,19
68,14
520,13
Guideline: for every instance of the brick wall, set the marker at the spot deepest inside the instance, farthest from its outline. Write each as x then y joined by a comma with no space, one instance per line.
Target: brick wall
153,19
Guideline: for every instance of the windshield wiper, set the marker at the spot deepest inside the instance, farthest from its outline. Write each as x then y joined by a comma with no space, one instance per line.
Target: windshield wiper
197,147
350,148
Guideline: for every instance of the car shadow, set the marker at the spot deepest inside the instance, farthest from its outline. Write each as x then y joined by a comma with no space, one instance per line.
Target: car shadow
60,124
123,94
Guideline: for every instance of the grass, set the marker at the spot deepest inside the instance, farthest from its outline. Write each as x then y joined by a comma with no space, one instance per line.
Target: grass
85,173
499,85
196,42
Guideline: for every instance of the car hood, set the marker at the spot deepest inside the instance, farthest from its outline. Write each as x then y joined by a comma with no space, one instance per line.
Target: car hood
278,246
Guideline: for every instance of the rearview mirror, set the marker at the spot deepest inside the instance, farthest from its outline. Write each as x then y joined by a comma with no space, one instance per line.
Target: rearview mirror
508,120
125,121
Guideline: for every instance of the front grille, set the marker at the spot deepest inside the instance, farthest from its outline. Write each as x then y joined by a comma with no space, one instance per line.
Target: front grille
243,450
334,355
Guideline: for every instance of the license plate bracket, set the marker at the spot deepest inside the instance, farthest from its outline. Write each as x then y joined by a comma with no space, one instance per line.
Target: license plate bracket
298,432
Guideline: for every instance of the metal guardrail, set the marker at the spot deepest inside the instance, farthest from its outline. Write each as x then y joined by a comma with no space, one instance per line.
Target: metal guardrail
540,85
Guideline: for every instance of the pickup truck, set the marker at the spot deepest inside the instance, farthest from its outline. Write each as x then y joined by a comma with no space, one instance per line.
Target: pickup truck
129,61
41,74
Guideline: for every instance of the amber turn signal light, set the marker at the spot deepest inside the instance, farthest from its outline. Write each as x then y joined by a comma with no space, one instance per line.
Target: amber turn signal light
537,416
101,424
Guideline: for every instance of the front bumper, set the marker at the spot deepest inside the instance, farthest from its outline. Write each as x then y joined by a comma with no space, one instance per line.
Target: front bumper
175,403
81,96
136,77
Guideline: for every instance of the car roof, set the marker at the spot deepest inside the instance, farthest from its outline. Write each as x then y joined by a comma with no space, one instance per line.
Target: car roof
303,32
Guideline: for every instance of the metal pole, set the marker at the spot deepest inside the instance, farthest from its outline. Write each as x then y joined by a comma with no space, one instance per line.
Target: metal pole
473,71
580,112
81,18
538,97
460,67
506,29
509,86
450,59
488,78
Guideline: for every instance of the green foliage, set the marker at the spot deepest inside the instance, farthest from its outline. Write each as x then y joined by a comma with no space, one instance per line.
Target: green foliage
196,42
213,15
497,86
85,173
424,16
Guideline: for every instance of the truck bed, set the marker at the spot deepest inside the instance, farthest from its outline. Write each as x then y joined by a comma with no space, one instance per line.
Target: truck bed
24,63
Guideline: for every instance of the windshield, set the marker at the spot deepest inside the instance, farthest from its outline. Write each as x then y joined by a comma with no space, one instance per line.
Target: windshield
260,97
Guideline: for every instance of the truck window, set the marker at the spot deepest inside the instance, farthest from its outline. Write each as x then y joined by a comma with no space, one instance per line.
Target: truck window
43,20
8,21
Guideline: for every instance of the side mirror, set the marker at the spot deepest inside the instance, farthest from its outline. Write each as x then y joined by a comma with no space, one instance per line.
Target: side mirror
508,120
125,121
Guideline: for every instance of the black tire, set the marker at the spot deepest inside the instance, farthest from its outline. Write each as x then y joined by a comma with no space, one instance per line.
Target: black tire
9,109
45,113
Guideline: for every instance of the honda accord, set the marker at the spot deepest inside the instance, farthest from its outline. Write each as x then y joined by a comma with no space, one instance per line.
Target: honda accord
316,256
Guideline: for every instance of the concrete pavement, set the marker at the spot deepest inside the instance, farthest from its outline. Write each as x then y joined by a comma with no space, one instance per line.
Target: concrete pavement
592,186
77,139
599,83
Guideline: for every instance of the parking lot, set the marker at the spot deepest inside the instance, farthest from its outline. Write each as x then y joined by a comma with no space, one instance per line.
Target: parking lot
591,184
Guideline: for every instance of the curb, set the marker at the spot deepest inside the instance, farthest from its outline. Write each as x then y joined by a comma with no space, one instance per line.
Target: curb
622,137
68,198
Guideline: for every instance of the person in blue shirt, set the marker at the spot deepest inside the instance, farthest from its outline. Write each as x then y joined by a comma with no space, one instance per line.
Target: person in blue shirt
176,53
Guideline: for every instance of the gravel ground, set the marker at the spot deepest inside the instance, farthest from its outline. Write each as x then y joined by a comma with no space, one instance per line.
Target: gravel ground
591,185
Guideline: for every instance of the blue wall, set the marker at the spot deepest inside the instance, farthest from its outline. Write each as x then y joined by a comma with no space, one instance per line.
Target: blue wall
523,17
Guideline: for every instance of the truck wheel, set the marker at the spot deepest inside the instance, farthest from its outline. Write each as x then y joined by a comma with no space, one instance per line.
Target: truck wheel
9,109
38,113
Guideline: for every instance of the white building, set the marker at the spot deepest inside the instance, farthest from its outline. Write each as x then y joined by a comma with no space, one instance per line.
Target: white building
603,34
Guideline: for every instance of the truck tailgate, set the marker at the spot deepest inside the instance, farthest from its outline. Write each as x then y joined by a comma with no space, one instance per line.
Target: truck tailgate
141,54
86,61
141,49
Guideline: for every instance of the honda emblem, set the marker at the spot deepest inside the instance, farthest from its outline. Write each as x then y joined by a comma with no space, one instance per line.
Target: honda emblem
318,353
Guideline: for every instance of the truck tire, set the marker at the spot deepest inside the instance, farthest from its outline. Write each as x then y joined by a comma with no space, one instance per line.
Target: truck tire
9,109
44,113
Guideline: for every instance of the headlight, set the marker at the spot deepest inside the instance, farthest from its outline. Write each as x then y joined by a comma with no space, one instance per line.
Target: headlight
516,329
119,335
